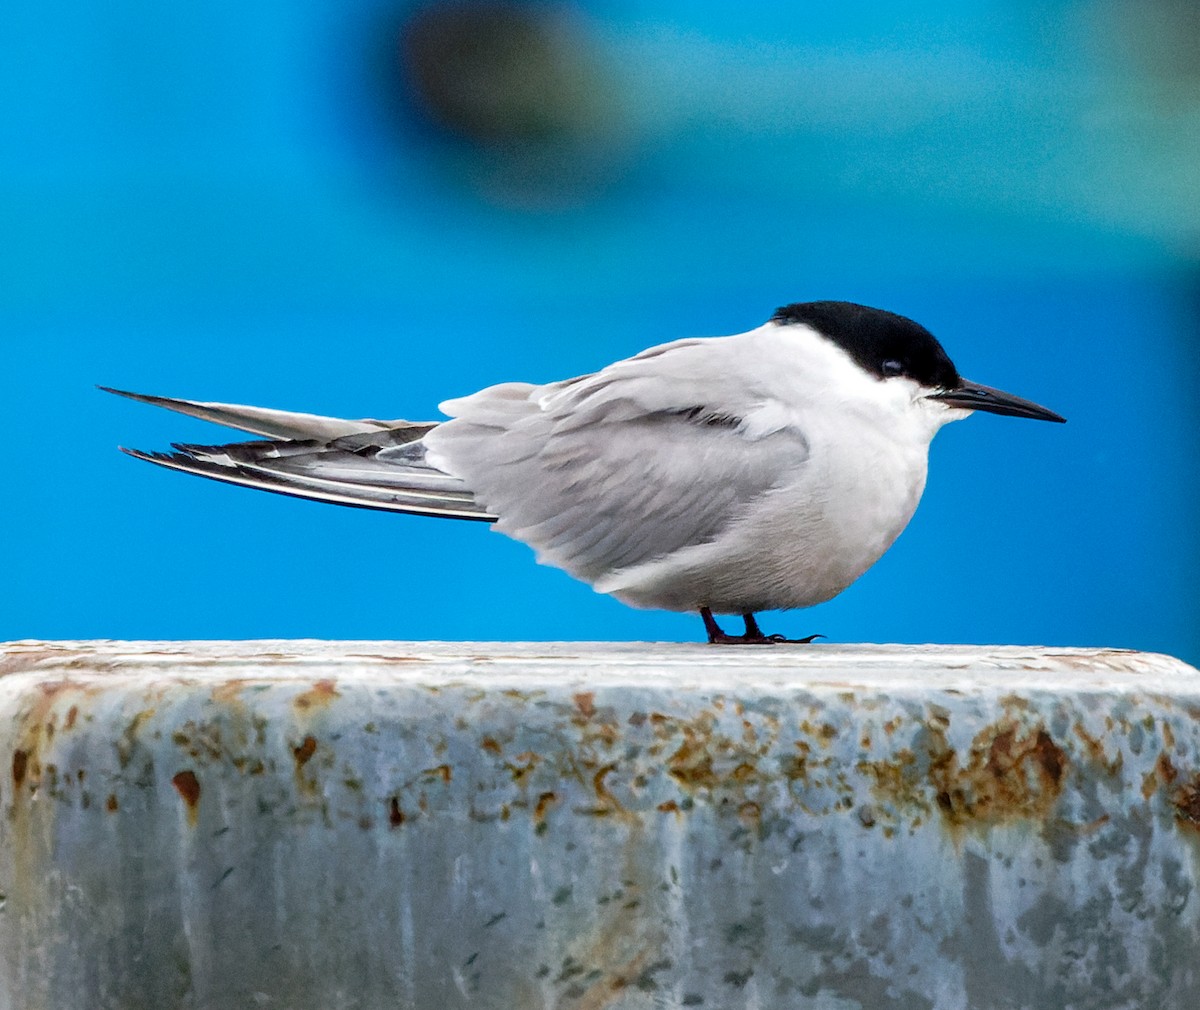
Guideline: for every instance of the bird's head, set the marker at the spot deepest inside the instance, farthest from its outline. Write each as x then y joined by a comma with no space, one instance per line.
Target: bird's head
892,349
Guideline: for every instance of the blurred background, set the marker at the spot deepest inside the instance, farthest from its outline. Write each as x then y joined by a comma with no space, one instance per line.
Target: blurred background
364,207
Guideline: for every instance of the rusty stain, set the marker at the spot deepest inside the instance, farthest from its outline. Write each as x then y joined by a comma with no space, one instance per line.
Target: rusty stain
585,701
442,772
609,804
319,695
744,771
692,764
491,745
1164,773
20,660
521,766
668,807
188,786
72,715
749,733
794,767
1016,701
128,741
395,814
1185,798
544,802
1011,771
200,741
304,751
229,692
383,658
1008,775
750,812
20,764
1168,735
111,804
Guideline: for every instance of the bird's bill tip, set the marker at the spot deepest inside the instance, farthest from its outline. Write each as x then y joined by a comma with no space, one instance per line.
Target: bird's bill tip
976,396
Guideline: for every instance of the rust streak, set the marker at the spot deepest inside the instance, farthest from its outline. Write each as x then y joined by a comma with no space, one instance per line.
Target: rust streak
609,802
306,749
443,772
544,802
1186,801
318,696
188,786
20,764
585,701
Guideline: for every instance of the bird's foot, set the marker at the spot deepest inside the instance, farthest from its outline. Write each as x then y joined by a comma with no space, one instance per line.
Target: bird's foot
753,635
720,638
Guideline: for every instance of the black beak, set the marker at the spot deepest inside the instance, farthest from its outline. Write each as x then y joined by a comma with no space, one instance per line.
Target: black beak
973,396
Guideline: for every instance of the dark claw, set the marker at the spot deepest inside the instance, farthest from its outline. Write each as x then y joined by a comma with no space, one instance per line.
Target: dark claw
724,639
753,635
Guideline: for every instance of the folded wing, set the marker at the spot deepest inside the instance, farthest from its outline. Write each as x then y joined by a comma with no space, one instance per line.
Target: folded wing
614,469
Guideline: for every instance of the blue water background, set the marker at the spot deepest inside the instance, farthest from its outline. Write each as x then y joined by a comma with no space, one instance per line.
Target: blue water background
225,202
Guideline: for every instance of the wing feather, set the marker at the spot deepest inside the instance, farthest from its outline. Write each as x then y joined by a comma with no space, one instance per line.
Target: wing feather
630,464
271,423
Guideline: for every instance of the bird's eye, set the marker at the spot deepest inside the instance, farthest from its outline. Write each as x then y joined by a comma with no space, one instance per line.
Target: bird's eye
892,367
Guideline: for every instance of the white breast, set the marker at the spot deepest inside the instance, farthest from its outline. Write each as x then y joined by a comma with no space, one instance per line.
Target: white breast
806,540
801,544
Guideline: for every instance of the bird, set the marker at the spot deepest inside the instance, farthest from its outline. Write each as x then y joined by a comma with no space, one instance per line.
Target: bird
728,475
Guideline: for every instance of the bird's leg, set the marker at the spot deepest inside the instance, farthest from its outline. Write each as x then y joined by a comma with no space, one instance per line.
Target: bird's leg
753,635
752,629
715,635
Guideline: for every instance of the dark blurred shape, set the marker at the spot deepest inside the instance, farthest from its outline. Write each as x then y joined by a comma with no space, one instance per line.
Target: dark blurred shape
522,86
1164,34
1162,37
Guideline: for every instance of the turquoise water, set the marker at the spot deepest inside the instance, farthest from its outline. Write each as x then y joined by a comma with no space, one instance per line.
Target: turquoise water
244,205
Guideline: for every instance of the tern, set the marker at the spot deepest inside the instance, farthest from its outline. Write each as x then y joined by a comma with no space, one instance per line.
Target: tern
719,475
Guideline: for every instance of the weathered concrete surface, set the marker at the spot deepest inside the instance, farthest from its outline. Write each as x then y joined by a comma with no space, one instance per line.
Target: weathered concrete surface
413,825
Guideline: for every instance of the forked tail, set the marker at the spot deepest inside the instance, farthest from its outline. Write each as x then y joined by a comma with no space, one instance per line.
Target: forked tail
363,463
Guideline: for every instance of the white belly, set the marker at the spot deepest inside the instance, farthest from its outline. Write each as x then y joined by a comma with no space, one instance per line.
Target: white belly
799,545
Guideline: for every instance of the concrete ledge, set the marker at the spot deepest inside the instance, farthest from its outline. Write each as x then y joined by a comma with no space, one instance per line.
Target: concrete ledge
441,826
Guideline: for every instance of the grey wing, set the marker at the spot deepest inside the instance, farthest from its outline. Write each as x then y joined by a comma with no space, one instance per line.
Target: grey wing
641,478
